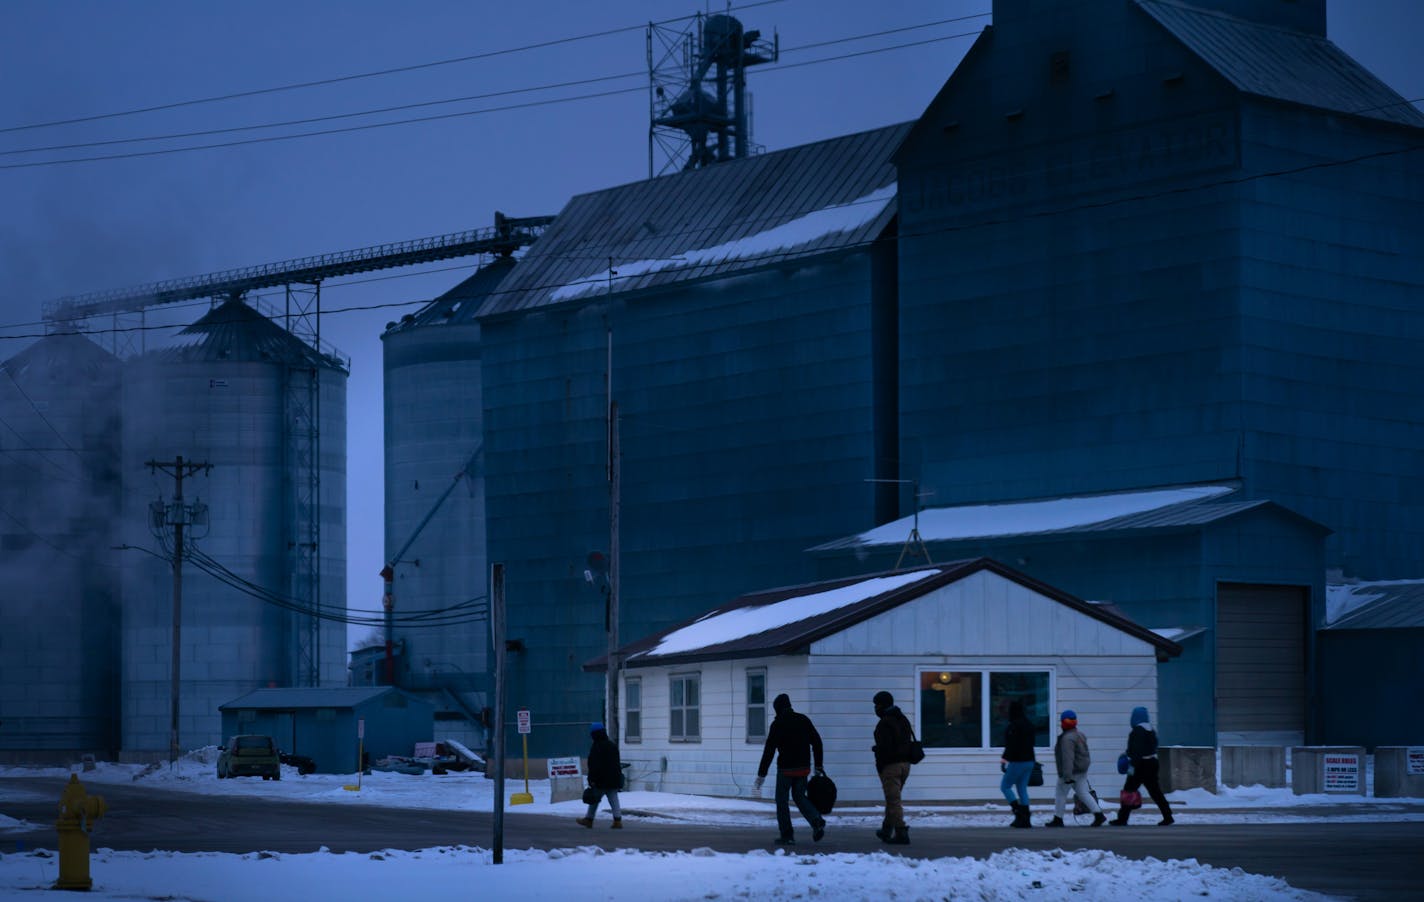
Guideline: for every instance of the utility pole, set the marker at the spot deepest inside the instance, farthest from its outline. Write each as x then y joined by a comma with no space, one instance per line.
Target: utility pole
177,515
614,492
497,630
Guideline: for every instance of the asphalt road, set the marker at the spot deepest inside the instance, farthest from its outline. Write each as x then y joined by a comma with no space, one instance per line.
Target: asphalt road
1366,861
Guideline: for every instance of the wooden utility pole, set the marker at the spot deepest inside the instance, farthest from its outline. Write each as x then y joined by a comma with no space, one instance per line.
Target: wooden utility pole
497,628
177,515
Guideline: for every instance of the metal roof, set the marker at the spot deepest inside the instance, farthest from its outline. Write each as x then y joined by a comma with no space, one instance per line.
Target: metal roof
305,697
1281,63
1395,605
729,217
460,304
791,637
234,332
62,355
1150,509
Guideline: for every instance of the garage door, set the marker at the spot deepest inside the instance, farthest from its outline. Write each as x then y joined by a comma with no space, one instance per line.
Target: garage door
1260,662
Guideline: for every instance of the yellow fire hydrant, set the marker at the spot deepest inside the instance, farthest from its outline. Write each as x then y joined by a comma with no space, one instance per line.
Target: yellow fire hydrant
77,813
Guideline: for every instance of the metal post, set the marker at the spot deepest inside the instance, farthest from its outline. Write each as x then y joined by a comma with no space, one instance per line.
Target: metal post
614,489
497,628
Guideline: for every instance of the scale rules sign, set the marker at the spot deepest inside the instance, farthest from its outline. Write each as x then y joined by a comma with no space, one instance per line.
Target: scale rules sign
1342,773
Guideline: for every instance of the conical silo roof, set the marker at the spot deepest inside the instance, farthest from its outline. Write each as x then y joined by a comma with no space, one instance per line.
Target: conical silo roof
61,358
234,332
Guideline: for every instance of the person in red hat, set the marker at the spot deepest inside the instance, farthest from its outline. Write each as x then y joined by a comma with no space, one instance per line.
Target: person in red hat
1070,754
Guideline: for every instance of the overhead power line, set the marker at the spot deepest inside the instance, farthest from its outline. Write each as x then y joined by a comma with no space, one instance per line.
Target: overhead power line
255,92
455,115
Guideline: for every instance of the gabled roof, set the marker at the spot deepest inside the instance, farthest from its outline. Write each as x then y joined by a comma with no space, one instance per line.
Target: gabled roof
1282,63
786,620
728,217
1182,507
1387,604
303,697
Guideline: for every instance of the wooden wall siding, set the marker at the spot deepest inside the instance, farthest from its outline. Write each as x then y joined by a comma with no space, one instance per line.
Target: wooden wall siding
983,614
836,696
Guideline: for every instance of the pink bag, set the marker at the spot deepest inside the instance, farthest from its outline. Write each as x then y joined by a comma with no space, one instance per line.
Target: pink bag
1130,800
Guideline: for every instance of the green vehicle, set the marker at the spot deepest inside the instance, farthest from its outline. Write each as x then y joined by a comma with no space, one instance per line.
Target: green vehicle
251,755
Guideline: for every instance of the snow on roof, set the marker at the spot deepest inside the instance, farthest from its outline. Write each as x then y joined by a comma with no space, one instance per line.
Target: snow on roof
739,623
803,230
976,521
1179,633
1345,599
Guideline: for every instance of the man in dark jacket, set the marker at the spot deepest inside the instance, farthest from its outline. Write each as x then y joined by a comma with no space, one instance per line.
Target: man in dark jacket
893,736
605,776
794,740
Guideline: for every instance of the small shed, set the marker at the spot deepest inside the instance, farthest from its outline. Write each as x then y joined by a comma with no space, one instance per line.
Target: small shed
954,643
322,724
1372,663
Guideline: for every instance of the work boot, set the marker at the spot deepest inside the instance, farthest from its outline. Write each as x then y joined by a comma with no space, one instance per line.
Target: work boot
1166,821
818,832
1121,820
901,837
585,822
1099,819
1056,822
618,823
884,833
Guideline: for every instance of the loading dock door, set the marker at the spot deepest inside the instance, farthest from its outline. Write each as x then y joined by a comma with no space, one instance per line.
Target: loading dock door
1260,662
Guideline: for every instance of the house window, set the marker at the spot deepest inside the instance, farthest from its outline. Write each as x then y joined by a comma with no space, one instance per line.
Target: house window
955,711
685,707
756,705
633,709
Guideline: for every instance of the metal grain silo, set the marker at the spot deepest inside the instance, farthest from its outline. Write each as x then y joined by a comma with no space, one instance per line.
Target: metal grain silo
241,394
59,499
435,527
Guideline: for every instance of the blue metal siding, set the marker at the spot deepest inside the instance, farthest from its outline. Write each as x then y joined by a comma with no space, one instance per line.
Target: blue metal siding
745,406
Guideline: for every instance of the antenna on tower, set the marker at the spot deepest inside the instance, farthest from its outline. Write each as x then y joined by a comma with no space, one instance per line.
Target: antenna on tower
914,543
699,111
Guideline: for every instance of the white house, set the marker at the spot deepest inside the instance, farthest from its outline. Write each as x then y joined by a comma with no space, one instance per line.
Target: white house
954,643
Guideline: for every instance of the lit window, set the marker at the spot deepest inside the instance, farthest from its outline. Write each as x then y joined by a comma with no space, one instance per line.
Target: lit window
633,709
956,713
756,705
684,708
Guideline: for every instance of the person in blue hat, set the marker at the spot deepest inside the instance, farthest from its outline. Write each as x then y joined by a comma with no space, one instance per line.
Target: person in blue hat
605,776
1142,769
1071,756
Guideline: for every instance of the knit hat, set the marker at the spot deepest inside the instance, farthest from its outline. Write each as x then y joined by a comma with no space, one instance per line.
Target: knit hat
1068,719
883,699
1139,715
781,703
595,727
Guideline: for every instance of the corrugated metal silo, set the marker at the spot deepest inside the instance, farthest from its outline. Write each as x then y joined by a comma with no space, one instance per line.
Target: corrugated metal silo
434,422
224,398
59,499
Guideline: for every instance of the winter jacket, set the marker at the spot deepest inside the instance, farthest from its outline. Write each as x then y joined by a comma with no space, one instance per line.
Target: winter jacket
1070,754
1018,740
893,735
1141,743
604,768
793,739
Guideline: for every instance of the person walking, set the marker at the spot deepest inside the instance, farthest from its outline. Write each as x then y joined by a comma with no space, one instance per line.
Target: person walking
793,739
1018,762
605,776
893,736
1143,768
1070,754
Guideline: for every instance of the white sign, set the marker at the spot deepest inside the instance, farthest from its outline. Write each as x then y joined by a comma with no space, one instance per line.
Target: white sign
1414,760
523,717
361,728
563,767
1342,773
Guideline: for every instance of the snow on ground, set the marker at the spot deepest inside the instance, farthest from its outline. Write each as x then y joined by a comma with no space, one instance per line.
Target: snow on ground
589,873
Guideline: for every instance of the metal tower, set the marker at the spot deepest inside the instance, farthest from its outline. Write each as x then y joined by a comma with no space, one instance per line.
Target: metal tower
689,127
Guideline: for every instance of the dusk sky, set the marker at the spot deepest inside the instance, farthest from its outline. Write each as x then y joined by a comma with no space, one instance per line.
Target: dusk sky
74,227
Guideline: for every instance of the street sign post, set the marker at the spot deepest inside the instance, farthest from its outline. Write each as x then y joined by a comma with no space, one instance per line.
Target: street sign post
522,720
